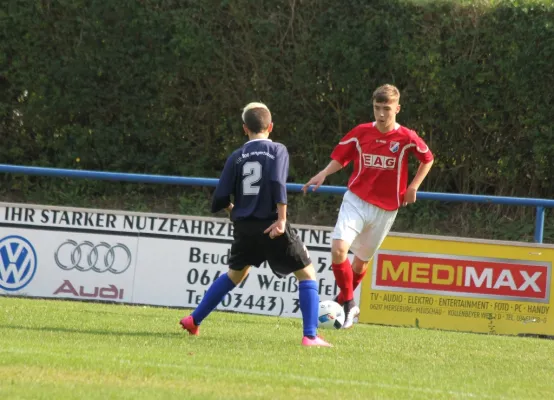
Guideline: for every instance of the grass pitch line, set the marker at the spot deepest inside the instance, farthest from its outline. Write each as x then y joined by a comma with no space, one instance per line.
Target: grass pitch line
301,378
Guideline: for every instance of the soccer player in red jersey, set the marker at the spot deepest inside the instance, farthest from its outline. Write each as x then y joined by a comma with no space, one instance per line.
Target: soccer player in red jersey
377,188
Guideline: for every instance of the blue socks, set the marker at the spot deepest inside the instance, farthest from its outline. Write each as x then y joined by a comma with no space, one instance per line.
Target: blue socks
213,297
309,302
309,305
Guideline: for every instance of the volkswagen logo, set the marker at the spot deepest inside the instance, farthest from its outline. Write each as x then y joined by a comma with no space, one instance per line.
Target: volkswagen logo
18,263
87,256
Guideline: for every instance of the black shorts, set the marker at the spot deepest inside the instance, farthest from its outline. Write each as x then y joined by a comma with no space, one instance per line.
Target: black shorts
251,246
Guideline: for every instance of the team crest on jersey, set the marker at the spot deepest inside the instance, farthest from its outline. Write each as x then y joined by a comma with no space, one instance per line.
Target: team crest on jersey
394,146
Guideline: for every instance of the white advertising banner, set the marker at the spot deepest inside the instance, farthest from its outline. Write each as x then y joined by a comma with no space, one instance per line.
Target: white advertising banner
66,264
139,258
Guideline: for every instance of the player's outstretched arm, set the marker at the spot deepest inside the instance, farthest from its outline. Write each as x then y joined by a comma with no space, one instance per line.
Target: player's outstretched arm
411,192
318,179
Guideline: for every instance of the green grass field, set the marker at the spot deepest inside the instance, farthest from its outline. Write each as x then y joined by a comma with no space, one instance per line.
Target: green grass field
74,350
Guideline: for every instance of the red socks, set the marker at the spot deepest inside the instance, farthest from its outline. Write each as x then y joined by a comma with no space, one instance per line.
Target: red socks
345,279
356,280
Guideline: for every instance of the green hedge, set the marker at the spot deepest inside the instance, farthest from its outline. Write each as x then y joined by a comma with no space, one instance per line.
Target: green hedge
157,87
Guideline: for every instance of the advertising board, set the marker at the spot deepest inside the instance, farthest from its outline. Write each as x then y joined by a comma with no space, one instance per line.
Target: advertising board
169,260
461,284
139,258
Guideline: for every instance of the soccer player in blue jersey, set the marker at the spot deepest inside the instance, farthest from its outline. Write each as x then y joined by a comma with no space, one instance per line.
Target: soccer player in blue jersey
255,175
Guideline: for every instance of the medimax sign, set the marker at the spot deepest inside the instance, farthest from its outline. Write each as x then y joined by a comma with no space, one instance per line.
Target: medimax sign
465,276
460,284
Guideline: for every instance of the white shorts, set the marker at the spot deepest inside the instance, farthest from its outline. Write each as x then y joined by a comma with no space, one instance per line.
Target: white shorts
362,225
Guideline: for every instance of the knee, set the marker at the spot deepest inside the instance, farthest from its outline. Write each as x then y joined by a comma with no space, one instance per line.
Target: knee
306,274
339,254
238,276
359,266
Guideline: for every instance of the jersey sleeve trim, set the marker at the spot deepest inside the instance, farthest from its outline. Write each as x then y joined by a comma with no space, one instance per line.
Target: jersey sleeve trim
418,141
359,148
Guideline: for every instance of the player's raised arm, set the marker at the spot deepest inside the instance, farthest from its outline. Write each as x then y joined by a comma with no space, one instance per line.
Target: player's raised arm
224,188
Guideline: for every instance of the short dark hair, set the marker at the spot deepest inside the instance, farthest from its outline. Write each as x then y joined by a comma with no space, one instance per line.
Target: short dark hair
256,117
386,93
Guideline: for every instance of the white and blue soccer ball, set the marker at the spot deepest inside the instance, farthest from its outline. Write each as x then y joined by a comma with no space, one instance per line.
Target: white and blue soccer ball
331,315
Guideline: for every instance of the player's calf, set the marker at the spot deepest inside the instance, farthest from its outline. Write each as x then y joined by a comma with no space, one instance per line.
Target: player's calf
309,306
214,295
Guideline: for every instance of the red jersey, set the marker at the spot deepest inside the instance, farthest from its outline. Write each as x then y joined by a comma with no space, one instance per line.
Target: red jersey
380,173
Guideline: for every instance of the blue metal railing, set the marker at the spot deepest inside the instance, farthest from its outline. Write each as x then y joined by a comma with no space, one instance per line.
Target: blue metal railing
540,204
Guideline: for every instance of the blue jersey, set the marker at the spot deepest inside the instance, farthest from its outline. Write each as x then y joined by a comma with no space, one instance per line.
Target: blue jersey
255,175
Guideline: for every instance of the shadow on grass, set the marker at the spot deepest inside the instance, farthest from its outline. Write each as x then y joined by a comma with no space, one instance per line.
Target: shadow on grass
178,334
96,331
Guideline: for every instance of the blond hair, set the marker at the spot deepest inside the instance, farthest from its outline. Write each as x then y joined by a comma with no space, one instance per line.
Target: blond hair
251,106
256,117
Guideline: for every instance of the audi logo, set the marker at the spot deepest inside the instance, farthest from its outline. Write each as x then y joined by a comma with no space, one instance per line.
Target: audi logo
87,256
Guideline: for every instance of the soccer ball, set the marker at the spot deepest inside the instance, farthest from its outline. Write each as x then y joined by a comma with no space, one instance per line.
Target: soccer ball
331,315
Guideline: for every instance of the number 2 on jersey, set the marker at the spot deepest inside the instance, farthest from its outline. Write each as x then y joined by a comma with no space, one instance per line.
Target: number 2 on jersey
252,173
